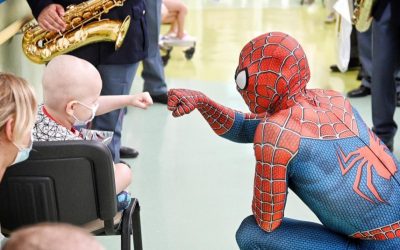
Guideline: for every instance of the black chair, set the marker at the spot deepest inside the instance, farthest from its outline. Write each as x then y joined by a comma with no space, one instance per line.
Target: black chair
71,182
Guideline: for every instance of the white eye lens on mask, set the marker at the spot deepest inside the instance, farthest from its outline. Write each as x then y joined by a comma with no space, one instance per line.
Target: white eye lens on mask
92,109
241,79
23,153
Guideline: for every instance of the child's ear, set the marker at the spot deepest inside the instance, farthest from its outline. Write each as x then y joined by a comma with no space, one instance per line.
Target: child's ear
9,129
69,108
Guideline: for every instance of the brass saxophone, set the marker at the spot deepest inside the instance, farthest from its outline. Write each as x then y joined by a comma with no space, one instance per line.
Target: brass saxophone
362,14
84,26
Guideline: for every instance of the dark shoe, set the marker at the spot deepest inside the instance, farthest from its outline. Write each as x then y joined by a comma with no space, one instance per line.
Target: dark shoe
388,142
126,152
359,92
163,98
353,65
124,162
389,145
334,68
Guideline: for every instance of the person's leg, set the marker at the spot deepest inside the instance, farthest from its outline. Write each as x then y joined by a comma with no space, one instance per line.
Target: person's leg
123,177
365,56
153,68
174,27
364,45
171,20
117,80
354,57
164,14
291,234
397,82
384,55
180,8
397,79
168,17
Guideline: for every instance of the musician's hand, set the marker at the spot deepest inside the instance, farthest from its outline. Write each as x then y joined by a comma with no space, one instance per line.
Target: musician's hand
51,18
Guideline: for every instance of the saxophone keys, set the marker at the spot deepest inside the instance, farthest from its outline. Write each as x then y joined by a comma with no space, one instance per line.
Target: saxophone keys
108,5
70,7
76,21
86,15
50,35
28,34
32,49
45,53
80,35
62,44
27,27
119,3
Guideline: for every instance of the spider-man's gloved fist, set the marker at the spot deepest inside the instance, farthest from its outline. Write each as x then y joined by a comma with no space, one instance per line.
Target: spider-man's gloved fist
184,101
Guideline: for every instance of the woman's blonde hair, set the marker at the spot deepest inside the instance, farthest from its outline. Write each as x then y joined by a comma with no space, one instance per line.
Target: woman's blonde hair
17,101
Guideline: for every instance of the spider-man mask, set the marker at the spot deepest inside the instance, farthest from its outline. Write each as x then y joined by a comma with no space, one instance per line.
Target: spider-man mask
272,69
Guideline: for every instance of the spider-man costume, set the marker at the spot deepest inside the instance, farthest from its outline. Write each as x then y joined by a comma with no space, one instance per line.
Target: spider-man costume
312,141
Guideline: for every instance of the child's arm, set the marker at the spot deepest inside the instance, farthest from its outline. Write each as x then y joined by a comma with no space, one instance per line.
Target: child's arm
109,103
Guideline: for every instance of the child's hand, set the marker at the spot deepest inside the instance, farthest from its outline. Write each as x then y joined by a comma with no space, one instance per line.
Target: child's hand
141,100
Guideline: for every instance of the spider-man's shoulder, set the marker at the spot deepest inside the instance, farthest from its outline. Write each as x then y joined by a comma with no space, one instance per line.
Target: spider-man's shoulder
288,119
330,100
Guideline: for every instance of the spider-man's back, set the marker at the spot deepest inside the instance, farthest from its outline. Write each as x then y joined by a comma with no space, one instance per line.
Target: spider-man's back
342,171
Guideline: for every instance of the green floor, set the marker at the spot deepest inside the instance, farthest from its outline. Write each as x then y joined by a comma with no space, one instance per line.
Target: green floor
194,187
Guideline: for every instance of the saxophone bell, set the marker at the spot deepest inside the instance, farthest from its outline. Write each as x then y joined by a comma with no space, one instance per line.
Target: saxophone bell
123,29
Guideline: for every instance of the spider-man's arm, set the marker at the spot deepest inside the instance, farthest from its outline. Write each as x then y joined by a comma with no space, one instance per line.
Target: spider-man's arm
228,123
274,147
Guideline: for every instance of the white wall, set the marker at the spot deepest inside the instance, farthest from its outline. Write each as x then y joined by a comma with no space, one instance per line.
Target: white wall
12,58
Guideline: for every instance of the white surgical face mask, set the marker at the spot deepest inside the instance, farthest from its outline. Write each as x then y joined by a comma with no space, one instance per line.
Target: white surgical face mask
92,109
23,153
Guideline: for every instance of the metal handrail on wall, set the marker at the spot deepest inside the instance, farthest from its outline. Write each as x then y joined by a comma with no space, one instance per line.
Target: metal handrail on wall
14,28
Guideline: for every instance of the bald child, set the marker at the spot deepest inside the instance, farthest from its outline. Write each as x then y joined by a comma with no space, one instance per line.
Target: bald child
71,98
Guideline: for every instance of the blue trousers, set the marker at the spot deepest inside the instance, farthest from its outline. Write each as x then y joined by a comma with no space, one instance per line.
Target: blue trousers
153,68
117,80
302,235
364,41
385,55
